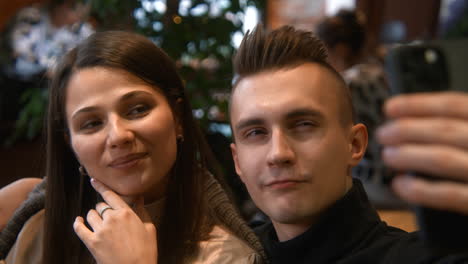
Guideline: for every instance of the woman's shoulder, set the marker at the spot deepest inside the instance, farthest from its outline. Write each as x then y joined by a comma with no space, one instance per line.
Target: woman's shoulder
13,196
28,216
230,236
222,246
28,245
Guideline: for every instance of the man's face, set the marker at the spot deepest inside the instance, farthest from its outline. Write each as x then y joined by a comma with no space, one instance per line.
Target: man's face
291,148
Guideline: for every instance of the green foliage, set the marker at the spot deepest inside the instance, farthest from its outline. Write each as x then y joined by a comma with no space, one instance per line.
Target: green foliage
199,40
460,29
30,119
201,43
113,14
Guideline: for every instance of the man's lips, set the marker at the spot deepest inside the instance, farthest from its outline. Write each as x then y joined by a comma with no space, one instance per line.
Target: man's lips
279,184
128,160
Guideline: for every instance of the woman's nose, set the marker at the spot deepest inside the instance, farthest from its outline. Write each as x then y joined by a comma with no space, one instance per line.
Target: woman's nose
119,133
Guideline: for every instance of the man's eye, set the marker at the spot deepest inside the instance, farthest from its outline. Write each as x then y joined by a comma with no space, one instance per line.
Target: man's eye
254,133
138,110
304,124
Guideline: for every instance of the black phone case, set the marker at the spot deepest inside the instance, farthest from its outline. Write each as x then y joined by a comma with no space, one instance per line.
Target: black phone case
423,68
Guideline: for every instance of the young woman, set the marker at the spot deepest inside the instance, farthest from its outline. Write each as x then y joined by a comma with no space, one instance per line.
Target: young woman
120,127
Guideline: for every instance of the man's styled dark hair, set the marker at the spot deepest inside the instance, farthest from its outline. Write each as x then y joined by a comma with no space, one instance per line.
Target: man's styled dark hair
286,48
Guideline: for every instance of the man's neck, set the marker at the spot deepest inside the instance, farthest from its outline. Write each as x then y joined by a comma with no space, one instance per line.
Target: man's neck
289,231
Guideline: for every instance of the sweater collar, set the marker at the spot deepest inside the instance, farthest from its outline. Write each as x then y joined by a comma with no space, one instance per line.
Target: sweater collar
339,229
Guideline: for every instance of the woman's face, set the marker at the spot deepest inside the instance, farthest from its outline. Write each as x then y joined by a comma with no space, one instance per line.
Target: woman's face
122,131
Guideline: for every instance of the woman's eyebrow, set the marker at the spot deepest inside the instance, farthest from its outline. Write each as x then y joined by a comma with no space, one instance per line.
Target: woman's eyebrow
124,97
84,110
133,94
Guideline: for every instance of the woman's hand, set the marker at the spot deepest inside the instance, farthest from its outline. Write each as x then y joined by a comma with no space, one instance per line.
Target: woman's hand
119,234
429,134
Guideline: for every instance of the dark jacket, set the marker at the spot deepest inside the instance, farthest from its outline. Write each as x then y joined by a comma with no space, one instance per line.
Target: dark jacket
352,232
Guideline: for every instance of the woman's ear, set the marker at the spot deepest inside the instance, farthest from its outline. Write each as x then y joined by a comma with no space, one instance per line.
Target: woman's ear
358,143
178,116
66,137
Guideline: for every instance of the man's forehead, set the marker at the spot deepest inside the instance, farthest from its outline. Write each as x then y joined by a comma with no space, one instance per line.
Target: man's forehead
304,86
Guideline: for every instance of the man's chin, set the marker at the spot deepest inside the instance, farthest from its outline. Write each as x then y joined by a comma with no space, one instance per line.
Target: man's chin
288,215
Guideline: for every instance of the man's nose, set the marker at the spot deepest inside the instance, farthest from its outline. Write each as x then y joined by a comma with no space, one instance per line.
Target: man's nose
281,152
119,133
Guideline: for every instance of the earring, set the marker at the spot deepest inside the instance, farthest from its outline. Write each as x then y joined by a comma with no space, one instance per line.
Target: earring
180,138
82,171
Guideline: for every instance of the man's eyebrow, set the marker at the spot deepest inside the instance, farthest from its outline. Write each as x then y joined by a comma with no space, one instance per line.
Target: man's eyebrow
248,122
301,112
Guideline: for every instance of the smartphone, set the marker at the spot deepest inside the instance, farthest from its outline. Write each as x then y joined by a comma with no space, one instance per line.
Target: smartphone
424,68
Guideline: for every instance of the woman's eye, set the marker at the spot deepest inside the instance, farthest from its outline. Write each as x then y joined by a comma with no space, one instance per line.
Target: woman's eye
138,110
88,125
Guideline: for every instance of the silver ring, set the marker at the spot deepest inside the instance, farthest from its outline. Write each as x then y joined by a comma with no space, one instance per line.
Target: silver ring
101,212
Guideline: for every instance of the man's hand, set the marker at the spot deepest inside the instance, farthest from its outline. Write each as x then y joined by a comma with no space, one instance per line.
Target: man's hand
428,134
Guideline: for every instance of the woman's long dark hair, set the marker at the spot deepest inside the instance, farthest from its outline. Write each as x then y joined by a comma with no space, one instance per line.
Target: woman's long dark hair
69,194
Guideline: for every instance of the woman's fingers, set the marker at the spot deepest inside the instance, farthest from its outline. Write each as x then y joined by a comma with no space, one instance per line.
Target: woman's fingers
111,198
82,230
94,220
103,208
119,234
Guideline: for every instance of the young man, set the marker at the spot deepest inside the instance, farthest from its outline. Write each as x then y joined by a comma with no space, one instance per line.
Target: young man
295,145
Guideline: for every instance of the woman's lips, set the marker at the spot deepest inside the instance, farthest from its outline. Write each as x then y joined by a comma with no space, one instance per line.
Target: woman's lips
128,161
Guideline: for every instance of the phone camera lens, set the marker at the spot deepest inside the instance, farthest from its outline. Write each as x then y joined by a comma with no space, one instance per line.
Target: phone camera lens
430,56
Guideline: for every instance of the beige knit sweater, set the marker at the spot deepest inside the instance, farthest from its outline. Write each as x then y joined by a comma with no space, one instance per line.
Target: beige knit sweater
230,240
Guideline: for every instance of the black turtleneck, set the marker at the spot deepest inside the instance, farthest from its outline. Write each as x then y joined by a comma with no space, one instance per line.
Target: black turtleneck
350,231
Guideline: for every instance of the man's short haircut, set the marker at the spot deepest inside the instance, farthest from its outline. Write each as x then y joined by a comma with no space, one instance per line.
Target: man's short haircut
286,48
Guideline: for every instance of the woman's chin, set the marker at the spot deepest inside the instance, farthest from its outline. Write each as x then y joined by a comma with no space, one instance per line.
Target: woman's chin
130,199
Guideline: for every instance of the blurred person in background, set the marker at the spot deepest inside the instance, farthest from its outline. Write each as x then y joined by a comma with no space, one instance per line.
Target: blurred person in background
32,42
345,39
39,35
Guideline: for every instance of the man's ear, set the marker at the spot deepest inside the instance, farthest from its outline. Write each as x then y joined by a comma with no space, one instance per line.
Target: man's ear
236,160
358,143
